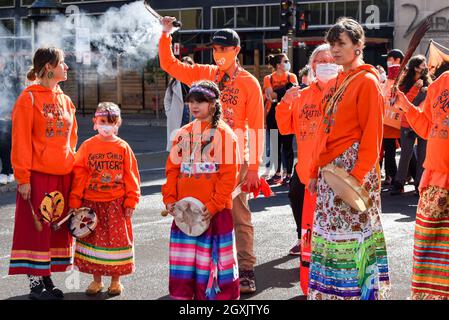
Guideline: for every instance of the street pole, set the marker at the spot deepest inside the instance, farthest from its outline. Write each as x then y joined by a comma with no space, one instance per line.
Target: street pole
290,46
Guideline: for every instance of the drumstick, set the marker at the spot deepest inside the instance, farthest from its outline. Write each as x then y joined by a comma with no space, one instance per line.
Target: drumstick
175,23
37,223
164,213
56,226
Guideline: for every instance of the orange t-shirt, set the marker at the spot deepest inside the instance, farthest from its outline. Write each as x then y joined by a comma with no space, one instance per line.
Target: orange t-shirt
432,123
389,132
241,99
359,117
44,133
105,171
275,81
302,118
204,167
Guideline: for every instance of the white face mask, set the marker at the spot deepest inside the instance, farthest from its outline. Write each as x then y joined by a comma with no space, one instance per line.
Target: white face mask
383,77
287,66
106,130
326,71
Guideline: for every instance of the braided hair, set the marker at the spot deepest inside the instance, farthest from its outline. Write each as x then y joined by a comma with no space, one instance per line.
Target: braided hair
206,91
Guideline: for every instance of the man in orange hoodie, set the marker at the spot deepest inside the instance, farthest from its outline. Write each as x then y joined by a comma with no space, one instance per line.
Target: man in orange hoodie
241,98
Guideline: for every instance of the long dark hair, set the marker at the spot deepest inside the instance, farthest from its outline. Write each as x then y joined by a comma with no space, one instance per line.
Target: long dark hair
408,80
199,96
274,59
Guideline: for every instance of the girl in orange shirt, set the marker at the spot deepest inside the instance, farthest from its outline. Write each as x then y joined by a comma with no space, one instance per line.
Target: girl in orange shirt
349,258
430,275
44,137
106,179
203,164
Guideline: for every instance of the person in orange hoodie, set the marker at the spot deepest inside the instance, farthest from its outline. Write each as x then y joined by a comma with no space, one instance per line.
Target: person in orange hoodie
203,164
106,179
241,98
349,258
274,87
299,113
414,84
430,274
44,137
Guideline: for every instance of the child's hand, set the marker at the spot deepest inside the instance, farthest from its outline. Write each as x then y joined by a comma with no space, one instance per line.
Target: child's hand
171,208
206,214
129,212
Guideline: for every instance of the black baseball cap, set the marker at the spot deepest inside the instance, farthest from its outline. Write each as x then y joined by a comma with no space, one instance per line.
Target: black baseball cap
395,54
226,38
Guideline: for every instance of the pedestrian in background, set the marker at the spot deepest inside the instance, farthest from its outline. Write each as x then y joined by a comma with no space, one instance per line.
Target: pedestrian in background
176,109
414,84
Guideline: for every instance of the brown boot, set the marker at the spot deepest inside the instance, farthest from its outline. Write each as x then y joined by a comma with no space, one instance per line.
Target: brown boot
94,288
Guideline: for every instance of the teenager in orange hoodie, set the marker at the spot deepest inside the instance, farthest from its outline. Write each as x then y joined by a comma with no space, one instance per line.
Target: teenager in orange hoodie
430,276
241,98
44,137
106,179
203,164
274,87
299,113
348,250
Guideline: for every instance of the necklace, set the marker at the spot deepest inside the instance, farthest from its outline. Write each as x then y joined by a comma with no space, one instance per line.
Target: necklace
194,144
225,78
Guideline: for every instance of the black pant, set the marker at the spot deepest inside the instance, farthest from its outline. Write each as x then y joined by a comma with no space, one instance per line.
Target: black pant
296,196
390,157
286,155
5,152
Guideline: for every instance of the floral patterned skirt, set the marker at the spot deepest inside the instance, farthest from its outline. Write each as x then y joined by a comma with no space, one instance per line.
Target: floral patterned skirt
108,250
430,278
349,256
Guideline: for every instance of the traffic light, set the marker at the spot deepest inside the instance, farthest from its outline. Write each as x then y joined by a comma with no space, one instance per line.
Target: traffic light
302,21
287,16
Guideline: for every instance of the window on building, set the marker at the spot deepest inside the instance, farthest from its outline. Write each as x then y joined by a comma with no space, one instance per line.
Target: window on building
315,13
349,9
26,3
7,27
7,3
192,19
222,18
386,9
250,17
25,27
272,16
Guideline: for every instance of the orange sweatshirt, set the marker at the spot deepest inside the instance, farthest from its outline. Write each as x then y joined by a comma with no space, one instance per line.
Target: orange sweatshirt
105,171
302,118
432,123
389,132
44,133
278,81
241,99
210,175
359,117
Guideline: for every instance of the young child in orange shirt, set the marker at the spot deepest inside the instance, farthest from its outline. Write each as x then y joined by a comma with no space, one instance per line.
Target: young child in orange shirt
203,164
106,179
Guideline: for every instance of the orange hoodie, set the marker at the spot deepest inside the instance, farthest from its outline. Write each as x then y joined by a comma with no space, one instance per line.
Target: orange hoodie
432,123
278,81
105,171
44,133
302,118
211,175
241,99
359,117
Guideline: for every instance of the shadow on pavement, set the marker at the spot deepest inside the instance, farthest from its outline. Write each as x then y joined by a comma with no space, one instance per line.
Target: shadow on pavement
405,204
71,296
150,190
280,199
268,276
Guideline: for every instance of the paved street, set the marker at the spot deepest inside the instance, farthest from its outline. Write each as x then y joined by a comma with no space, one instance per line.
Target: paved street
276,272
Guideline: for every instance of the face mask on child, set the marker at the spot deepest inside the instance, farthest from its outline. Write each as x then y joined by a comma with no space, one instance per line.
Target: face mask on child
106,130
326,71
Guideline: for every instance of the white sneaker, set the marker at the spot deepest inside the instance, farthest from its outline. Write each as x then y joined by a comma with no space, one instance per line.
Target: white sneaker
3,179
266,174
11,178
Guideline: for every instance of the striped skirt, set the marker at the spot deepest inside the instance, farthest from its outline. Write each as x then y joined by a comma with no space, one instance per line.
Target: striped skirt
349,256
205,267
430,278
40,253
108,250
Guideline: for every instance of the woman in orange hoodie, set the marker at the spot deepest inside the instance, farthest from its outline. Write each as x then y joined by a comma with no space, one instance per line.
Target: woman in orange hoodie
203,164
348,249
106,179
430,277
299,113
44,137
